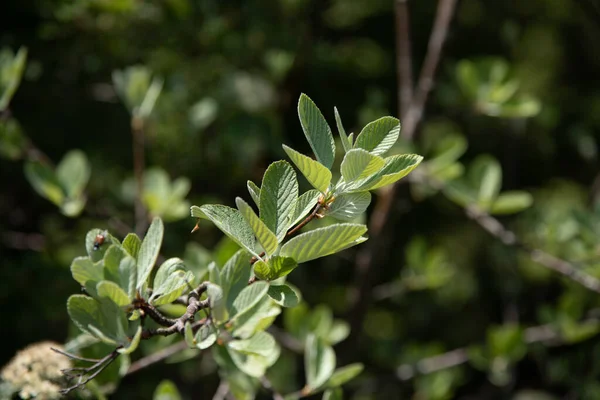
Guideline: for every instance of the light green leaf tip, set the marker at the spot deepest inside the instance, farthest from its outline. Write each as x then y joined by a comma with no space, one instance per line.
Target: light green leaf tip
317,131
315,173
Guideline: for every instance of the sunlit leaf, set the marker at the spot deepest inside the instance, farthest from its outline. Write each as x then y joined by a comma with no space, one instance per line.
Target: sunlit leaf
315,173
149,251
265,237
316,130
379,136
278,195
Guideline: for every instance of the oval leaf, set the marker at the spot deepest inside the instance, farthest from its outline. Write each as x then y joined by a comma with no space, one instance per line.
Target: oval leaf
248,298
112,291
379,136
284,295
315,173
266,238
149,251
316,130
278,195
319,362
349,206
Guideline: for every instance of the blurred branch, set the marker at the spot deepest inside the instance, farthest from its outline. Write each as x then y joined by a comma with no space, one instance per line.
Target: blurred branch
359,300
403,57
222,391
267,385
157,357
137,130
453,358
24,241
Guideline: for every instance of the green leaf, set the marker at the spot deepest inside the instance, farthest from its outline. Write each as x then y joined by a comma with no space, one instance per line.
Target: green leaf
73,173
171,280
346,142
90,240
254,193
348,206
306,202
44,181
230,221
511,202
217,302
205,337
113,292
284,295
379,136
338,331
13,142
278,195
11,72
120,268
132,244
261,343
257,318
316,130
188,335
103,320
248,298
266,238
322,241
485,173
359,164
235,275
344,374
319,363
84,270
135,342
395,168
150,98
276,267
166,390
149,251
253,364
315,173
333,394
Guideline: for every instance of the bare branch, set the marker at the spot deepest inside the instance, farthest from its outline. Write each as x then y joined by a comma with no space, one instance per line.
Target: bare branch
403,57
222,391
85,375
141,214
157,357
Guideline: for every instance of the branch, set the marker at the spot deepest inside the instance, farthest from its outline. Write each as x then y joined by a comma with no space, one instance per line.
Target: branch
267,385
403,57
536,334
438,36
82,373
222,391
157,357
137,130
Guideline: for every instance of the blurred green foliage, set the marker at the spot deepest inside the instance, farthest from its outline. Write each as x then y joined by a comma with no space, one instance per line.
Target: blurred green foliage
512,124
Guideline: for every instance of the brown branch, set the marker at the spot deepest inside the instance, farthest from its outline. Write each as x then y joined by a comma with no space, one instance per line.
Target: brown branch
222,391
360,296
137,130
156,357
439,33
93,371
536,334
403,57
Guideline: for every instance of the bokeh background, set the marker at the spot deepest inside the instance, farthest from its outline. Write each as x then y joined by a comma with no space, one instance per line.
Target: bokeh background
518,81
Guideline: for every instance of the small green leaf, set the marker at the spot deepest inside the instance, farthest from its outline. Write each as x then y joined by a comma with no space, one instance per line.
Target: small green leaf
284,295
230,221
166,390
322,241
217,302
306,202
333,394
205,337
171,280
276,267
84,270
73,173
103,320
120,268
395,168
253,364
348,206
344,138
485,173
266,238
319,363
248,297
278,195
316,130
254,193
338,331
315,173
344,374
359,164
257,318
149,251
261,343
113,292
235,275
44,181
135,342
11,74
511,202
188,335
379,136
132,244
90,241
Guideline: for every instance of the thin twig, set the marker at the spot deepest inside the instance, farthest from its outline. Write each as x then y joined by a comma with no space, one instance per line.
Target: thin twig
157,357
438,36
535,334
137,130
363,266
76,357
222,391
97,368
403,57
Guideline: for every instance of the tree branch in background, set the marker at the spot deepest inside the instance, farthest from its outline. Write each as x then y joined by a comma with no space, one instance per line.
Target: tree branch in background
536,334
157,357
137,130
360,297
403,57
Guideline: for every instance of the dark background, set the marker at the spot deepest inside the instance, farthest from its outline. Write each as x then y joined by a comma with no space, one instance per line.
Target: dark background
341,53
